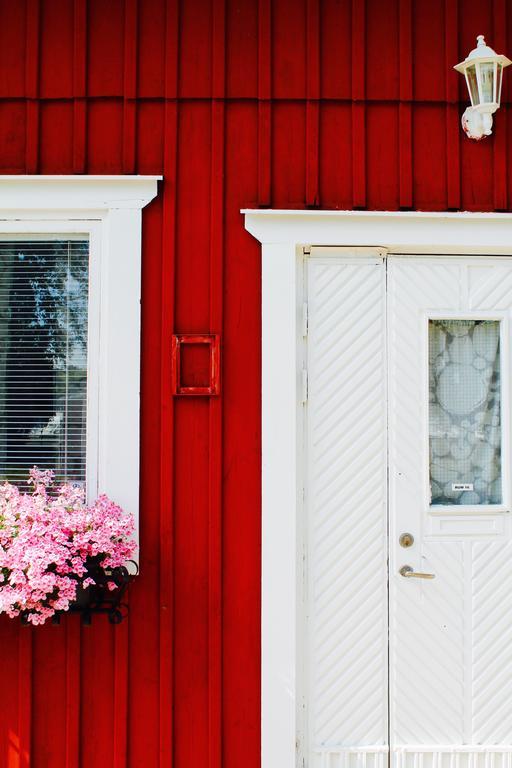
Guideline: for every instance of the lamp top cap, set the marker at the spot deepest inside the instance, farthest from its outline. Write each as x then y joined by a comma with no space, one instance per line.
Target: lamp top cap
482,50
483,53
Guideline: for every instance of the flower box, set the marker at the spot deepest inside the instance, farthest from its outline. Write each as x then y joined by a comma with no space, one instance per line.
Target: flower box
58,554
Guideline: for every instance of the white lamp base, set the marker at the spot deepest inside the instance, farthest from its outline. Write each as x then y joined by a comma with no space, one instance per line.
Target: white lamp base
476,125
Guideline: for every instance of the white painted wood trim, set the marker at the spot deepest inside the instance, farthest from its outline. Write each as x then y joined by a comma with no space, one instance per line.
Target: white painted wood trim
283,235
78,193
398,232
281,491
106,210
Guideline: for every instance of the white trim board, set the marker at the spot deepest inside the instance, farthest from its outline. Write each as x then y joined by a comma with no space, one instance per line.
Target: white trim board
284,236
74,193
107,211
419,232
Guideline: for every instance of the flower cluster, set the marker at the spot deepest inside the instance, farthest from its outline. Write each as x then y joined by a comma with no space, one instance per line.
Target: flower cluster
47,538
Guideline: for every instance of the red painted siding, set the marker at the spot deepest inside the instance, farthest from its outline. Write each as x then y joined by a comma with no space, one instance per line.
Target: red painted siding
288,103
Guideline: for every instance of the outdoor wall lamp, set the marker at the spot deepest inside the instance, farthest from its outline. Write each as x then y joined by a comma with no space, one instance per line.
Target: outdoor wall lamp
483,69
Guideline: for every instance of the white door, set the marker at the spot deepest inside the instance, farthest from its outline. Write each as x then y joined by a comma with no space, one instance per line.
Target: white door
408,410
449,473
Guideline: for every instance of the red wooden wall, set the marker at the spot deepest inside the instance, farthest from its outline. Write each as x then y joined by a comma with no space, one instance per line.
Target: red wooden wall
285,103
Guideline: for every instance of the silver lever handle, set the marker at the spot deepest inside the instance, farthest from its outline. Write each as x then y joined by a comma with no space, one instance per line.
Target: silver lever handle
410,573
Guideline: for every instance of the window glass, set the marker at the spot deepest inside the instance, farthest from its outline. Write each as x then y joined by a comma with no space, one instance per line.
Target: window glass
464,410
43,358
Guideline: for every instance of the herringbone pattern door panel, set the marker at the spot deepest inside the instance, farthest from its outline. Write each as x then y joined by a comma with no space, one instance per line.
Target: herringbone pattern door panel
450,654
450,679
491,596
346,512
424,617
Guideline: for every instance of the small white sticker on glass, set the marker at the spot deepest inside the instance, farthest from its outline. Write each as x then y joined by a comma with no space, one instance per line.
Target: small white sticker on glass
462,486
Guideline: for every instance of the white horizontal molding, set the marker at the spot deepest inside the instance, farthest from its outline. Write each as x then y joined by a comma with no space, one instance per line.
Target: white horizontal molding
19,193
428,756
462,756
453,748
395,231
350,757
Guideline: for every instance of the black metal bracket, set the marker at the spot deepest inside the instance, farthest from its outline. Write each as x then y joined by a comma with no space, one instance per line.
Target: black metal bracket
98,598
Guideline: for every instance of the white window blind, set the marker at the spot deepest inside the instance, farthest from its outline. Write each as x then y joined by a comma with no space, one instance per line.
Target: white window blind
43,358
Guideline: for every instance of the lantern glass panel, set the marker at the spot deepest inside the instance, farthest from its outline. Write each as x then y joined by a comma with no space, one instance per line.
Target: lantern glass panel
472,85
498,85
487,82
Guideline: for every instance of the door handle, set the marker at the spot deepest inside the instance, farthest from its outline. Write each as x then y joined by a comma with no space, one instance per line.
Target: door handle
410,573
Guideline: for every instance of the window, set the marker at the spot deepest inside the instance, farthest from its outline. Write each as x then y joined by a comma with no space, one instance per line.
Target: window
43,358
465,412
70,271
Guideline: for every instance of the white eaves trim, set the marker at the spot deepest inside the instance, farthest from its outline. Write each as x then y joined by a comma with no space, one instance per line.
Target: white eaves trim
397,231
107,210
77,193
285,234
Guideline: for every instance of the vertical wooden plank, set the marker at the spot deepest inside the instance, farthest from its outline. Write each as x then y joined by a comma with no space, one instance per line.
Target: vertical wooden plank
241,51
105,38
166,553
219,50
264,103
215,453
49,695
121,632
72,692
32,86
120,703
98,673
215,411
289,59
130,85
151,50
9,674
312,103
500,131
358,105
79,86
453,128
12,49
25,655
405,106
242,487
56,42
195,50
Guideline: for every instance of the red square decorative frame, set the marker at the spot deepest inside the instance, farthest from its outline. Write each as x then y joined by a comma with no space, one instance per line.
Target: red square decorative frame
213,342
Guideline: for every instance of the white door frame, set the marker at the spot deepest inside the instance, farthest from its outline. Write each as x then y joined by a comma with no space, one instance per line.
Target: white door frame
284,236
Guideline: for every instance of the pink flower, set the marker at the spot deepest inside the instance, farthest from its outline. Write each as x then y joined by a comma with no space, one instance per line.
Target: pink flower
46,539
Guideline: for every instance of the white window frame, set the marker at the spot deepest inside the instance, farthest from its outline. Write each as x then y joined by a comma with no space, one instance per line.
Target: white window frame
285,235
106,210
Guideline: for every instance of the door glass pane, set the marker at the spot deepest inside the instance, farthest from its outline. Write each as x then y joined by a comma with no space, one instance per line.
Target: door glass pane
464,410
